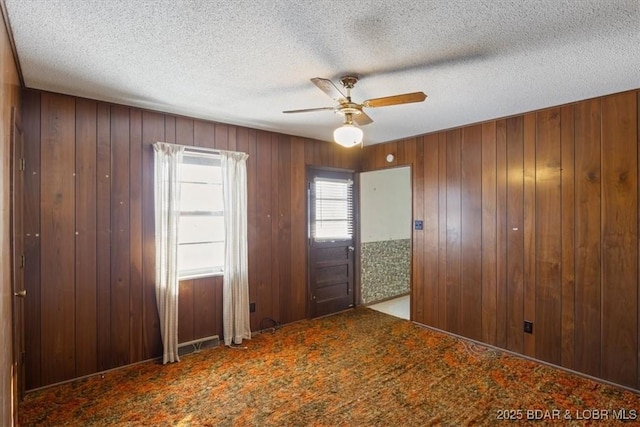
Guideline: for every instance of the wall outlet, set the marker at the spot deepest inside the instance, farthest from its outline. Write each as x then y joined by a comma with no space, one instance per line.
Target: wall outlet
252,307
528,327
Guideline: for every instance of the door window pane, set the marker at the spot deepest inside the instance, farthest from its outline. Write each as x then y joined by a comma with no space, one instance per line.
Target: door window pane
333,209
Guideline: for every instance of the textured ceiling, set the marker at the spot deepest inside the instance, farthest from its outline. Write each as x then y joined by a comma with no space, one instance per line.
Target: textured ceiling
244,62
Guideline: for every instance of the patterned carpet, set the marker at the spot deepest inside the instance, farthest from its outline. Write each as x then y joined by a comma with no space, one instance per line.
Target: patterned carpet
357,368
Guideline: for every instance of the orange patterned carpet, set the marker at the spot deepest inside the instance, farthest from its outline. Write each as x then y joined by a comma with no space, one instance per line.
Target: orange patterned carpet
357,368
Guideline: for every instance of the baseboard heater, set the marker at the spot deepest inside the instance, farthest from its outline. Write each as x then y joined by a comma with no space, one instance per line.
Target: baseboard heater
197,345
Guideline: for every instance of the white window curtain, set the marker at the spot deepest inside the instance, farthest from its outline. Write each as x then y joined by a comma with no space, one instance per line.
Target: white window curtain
235,293
168,161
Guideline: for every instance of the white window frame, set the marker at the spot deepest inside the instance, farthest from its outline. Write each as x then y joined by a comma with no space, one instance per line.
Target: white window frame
189,157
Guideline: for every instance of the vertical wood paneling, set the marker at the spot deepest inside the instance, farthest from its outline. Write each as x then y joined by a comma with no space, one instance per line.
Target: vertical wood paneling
409,151
169,129
136,322
529,273
298,296
204,134
431,160
114,188
369,158
217,325
217,302
501,233
548,237
221,136
12,231
443,307
204,307
329,154
354,160
274,309
454,238
57,239
559,208
317,153
620,239
252,216
308,152
567,198
401,157
85,237
184,131
152,131
119,241
550,177
471,232
103,235
489,233
31,122
588,246
419,303
340,156
263,229
232,139
186,311
283,230
515,233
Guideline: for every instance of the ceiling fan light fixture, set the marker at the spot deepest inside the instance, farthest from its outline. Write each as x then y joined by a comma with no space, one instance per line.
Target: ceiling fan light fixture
348,135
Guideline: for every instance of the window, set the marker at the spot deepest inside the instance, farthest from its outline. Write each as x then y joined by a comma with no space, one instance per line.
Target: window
201,229
332,209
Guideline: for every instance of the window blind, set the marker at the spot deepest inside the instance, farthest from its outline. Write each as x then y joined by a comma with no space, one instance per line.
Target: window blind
332,205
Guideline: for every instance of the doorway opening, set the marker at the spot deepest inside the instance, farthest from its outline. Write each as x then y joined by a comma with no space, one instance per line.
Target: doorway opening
385,240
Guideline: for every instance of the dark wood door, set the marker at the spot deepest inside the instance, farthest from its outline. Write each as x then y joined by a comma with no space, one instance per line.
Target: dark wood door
17,256
331,241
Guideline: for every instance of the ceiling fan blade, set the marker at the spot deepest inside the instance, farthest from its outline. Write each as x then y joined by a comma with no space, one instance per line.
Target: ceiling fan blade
329,88
362,119
405,98
308,110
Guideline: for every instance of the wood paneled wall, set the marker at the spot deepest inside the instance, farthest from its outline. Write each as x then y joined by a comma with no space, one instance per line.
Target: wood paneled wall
9,98
89,231
532,217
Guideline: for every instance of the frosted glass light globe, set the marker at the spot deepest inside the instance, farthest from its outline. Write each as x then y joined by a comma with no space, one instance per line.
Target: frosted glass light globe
348,135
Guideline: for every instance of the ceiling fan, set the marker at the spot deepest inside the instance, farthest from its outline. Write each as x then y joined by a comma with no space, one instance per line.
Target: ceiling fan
348,134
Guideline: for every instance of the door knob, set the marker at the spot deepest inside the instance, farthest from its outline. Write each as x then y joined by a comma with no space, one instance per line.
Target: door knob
21,294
